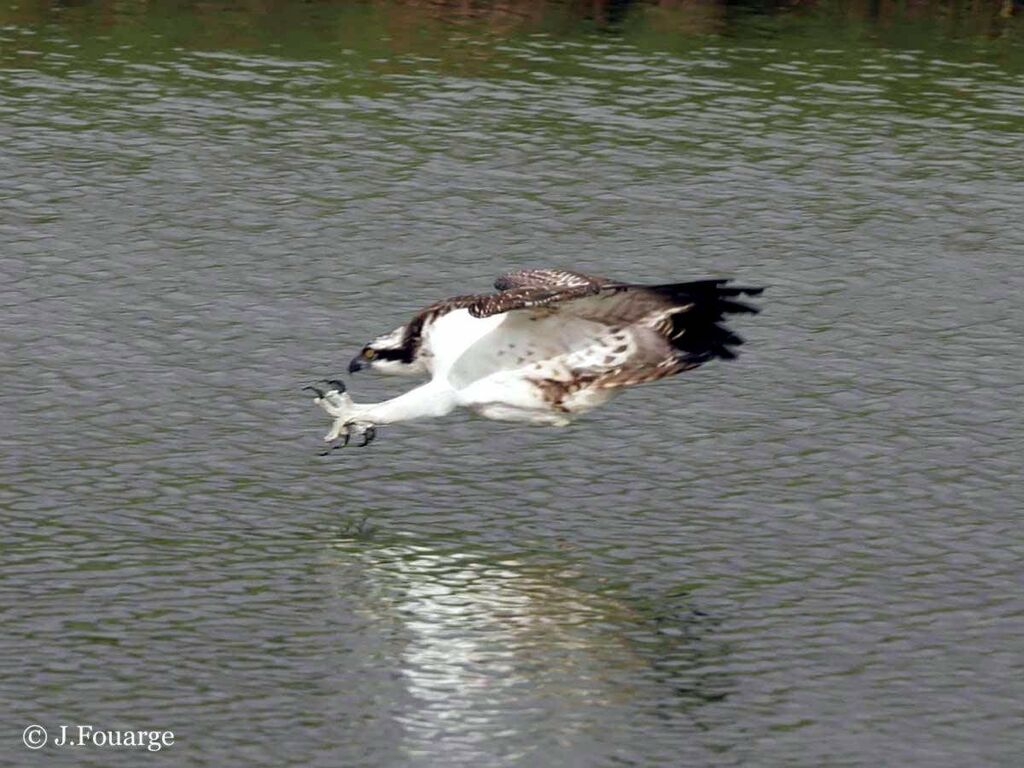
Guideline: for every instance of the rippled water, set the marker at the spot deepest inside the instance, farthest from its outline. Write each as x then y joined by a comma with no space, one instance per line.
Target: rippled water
809,557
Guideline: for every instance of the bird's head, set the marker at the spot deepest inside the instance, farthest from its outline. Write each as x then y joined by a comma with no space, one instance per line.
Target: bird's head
387,354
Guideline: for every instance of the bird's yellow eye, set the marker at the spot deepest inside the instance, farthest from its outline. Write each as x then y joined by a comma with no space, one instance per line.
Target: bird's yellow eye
369,354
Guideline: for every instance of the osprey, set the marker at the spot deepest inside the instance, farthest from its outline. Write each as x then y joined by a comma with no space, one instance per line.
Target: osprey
547,347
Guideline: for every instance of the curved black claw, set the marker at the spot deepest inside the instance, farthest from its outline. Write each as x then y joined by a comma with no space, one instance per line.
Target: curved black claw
319,393
337,383
336,446
368,437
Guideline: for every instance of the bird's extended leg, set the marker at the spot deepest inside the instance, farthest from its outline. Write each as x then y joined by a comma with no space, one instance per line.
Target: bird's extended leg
428,400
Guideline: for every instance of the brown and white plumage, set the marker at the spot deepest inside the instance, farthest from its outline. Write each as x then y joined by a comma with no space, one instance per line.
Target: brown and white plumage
547,346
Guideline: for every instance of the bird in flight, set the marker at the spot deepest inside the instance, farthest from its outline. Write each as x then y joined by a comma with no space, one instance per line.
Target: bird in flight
548,346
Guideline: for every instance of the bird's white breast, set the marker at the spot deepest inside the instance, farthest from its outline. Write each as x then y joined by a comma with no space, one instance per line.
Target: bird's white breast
458,338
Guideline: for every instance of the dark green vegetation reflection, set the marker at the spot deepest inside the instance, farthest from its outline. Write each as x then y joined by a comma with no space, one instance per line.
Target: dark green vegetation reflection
455,35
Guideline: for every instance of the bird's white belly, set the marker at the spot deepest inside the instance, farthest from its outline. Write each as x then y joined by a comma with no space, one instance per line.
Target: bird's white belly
512,396
502,412
508,396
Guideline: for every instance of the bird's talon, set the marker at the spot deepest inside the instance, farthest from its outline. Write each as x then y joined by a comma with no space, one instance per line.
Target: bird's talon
344,441
368,437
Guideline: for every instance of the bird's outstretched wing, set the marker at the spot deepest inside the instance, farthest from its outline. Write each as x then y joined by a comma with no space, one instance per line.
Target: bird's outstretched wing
620,334
662,329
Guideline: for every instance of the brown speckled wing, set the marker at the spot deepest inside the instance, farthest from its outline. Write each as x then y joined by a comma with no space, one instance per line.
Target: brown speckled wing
546,278
643,371
528,297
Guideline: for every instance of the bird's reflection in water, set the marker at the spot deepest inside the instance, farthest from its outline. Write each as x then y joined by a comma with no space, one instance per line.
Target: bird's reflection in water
504,656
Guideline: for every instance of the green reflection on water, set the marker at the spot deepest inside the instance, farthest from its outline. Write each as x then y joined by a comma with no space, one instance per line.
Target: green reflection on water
467,36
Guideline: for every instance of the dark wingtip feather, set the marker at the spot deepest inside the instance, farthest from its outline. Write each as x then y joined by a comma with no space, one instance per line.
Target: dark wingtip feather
699,334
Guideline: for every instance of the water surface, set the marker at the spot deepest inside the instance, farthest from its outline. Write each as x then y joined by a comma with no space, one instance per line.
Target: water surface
811,556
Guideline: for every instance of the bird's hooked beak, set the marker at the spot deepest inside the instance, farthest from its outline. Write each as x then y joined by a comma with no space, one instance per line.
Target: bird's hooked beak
357,364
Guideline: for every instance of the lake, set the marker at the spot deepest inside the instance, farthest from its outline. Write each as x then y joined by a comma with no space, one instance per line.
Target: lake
811,556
